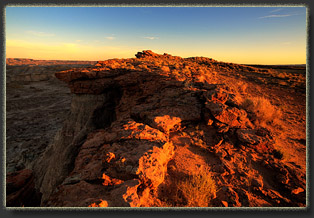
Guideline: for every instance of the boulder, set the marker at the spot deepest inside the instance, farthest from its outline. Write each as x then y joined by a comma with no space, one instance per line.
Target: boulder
147,53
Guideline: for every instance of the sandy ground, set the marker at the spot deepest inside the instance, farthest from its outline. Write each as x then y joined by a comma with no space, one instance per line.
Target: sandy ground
34,113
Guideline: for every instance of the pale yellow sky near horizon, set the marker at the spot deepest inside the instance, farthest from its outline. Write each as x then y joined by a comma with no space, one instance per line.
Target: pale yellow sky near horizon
79,51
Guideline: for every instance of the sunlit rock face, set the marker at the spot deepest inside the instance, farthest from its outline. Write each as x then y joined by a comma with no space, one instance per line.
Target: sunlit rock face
138,126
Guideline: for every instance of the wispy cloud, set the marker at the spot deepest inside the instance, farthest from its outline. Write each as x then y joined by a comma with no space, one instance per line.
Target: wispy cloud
40,34
78,40
277,15
110,37
276,10
151,37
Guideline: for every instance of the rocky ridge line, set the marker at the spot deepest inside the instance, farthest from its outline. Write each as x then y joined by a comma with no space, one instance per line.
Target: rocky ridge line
139,125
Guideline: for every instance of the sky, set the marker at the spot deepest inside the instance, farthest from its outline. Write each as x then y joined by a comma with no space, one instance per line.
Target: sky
245,35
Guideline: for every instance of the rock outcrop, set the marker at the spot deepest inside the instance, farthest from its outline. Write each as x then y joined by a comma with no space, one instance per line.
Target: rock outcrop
20,189
138,126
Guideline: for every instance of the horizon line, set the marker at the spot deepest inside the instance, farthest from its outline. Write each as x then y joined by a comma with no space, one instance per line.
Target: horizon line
135,57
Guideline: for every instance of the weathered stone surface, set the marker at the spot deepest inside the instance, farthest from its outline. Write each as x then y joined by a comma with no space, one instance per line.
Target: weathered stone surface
297,191
147,53
217,95
248,136
231,116
139,126
126,195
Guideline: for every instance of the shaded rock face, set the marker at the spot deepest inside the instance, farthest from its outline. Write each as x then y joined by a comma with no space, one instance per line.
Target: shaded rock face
87,114
21,191
138,126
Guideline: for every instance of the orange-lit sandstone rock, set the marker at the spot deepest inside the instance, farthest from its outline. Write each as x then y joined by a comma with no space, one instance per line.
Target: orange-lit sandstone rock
138,126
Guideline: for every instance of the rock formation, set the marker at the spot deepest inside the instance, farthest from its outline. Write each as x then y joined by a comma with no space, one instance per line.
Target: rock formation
139,126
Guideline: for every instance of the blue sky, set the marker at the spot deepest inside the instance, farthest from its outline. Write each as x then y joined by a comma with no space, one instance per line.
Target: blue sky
261,35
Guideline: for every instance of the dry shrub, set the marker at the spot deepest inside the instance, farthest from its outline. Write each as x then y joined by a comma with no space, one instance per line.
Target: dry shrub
238,90
238,87
198,189
264,113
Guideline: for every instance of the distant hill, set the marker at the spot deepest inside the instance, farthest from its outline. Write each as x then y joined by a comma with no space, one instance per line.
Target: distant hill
287,66
27,61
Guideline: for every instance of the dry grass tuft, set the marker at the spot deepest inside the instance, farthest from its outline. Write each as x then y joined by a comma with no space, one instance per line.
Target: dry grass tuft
198,189
264,113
